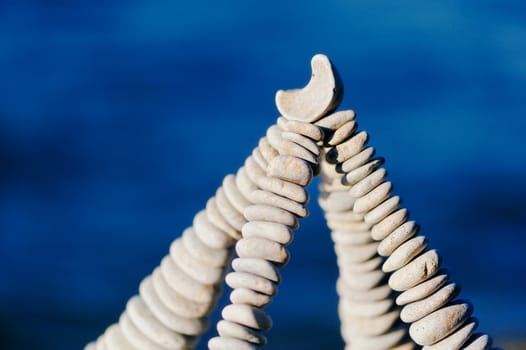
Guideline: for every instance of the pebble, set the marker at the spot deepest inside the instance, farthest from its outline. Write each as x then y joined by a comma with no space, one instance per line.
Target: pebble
115,340
210,234
336,201
229,329
362,280
188,326
379,342
174,301
382,211
249,297
405,253
92,346
355,176
417,271
370,326
289,148
438,325
351,237
416,310
306,129
303,141
357,160
336,119
245,185
135,337
184,284
267,151
250,281
258,158
397,237
260,267
290,169
365,308
274,136
272,231
212,257
254,171
347,149
231,215
196,269
261,212
348,215
284,188
356,253
277,201
233,194
373,294
222,343
389,224
255,247
368,183
365,266
152,328
478,341
342,133
216,219
247,315
423,289
372,199
455,340
346,225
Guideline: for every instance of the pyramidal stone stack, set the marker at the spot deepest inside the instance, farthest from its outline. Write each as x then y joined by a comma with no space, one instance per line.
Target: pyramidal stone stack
391,283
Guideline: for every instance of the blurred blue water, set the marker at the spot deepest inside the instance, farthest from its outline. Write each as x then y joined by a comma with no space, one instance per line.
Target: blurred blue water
108,111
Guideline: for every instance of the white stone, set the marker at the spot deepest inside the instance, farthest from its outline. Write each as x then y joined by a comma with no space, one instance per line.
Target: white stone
202,252
229,329
364,179
231,215
380,342
422,290
134,336
347,149
183,325
373,294
370,326
478,342
209,234
361,280
389,224
216,219
184,284
348,215
258,157
260,212
357,161
233,194
275,200
250,281
397,237
321,95
270,230
290,169
365,266
249,297
244,183
258,267
356,253
382,211
292,149
284,188
247,315
405,253
303,141
365,308
194,268
455,340
254,171
174,301
336,120
152,328
351,237
441,323
372,199
274,136
267,151
417,271
342,133
255,247
100,344
222,343
336,201
416,310
306,129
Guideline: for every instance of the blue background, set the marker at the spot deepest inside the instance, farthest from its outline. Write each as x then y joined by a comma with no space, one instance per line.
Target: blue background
119,119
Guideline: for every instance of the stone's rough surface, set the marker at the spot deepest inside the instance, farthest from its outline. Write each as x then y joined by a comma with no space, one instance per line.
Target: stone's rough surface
249,297
389,224
455,340
230,329
405,253
436,326
262,212
290,169
418,309
259,267
422,290
262,248
478,342
418,270
247,315
250,281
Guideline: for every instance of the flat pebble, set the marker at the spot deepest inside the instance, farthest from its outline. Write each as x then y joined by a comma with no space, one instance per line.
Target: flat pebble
267,151
255,247
194,268
405,253
455,340
341,134
233,194
355,253
302,141
371,326
374,198
261,212
306,129
275,200
244,183
416,310
223,343
362,280
382,211
202,252
347,149
417,271
380,342
229,329
336,120
357,160
250,281
373,294
249,297
270,230
258,157
365,308
356,176
247,315
286,189
351,237
438,325
289,148
229,212
115,340
368,183
134,336
389,224
423,289
478,341
397,237
290,169
260,267
209,234
215,217
336,201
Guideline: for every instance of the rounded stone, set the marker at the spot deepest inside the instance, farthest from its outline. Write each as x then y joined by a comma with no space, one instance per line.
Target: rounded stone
302,141
289,148
357,161
336,201
244,183
364,308
262,212
233,194
267,151
200,251
365,266
134,336
362,280
397,237
355,253
114,339
249,297
478,341
283,188
372,199
336,120
347,149
417,271
215,217
275,200
258,158
389,224
223,343
262,248
306,129
290,169
370,326
194,268
373,294
423,289
380,342
250,281
270,230
229,212
455,340
414,311
229,329
441,323
356,176
260,267
247,315
351,237
368,183
341,134
405,253
210,234
382,211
